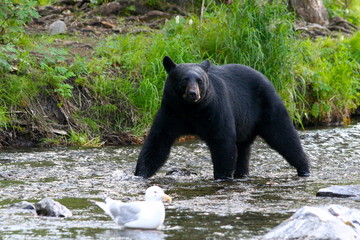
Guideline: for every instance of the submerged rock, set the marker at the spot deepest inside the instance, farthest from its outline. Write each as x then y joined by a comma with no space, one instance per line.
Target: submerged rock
340,191
57,27
49,207
327,222
23,205
180,172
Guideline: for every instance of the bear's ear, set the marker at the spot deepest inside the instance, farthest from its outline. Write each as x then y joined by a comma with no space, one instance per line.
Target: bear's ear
169,64
205,65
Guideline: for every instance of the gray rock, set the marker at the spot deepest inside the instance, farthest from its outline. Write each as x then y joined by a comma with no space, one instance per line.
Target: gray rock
49,207
180,172
4,175
340,191
57,27
327,222
23,205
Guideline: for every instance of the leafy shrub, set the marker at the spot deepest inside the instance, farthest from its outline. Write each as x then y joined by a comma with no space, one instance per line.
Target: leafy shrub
332,75
14,16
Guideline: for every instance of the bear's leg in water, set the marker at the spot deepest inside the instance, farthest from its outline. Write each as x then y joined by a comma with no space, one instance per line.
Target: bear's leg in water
163,133
223,155
283,138
242,163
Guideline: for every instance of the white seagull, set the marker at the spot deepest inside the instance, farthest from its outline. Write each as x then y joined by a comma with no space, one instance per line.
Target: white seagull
148,214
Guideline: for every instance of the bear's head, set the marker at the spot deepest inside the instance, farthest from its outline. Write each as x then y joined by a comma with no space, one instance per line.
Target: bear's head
189,81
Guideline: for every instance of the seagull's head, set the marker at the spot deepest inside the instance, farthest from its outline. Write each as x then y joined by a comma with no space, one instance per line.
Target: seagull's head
155,193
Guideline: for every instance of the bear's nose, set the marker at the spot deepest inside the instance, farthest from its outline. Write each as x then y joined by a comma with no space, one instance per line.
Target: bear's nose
192,94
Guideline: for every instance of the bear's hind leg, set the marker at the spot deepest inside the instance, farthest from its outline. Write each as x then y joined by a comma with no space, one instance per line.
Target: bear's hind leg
282,137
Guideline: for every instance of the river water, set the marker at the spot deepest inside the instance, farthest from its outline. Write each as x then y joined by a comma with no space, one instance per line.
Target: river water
201,209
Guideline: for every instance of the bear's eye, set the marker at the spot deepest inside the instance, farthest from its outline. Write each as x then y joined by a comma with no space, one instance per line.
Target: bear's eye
199,80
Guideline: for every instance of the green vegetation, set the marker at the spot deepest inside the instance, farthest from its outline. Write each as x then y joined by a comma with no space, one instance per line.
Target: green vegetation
330,69
13,16
346,9
117,85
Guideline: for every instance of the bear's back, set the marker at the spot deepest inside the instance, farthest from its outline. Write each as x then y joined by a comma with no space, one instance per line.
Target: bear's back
240,81
248,92
238,75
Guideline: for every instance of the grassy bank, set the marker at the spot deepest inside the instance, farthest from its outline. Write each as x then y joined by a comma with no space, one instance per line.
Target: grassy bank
82,93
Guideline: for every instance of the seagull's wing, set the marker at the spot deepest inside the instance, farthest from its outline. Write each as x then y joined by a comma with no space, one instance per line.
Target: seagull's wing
125,212
103,206
106,205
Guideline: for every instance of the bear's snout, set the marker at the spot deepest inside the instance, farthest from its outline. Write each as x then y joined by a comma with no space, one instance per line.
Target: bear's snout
192,93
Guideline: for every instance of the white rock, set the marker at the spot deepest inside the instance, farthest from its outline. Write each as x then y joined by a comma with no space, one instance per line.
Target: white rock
57,27
327,222
340,191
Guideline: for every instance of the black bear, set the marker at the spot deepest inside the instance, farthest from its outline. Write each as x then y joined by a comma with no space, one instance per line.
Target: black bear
227,107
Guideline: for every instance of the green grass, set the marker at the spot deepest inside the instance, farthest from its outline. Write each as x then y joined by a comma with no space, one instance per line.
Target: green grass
83,139
117,86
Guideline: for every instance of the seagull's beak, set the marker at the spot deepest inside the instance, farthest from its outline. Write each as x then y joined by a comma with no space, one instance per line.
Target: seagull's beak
166,198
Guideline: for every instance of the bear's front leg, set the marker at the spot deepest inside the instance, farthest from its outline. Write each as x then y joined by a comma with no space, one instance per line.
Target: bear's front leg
153,155
156,149
223,155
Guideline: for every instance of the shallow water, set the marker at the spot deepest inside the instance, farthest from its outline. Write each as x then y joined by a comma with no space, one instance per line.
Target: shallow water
201,209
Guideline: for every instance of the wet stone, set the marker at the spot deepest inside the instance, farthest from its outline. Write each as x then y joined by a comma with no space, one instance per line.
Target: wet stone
327,222
340,191
4,176
180,172
49,207
23,205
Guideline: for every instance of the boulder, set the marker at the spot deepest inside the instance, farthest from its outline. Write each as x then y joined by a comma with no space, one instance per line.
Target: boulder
49,207
340,191
326,222
57,27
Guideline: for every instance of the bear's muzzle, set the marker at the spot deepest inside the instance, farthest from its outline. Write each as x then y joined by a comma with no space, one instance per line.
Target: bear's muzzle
192,93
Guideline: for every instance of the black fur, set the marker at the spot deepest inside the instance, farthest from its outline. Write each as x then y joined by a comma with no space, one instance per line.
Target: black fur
235,104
